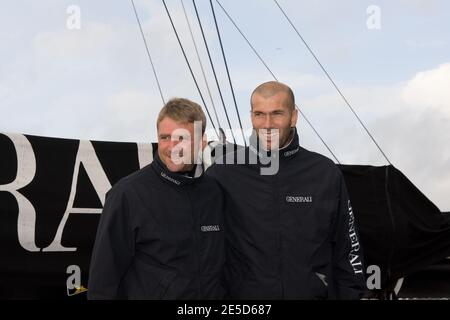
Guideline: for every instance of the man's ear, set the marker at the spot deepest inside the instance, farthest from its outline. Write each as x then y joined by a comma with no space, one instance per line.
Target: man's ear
294,118
204,141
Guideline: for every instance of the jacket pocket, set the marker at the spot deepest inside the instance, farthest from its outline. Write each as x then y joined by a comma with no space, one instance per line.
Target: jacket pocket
167,279
154,280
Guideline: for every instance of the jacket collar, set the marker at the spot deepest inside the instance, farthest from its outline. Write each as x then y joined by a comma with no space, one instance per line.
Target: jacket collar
175,178
288,151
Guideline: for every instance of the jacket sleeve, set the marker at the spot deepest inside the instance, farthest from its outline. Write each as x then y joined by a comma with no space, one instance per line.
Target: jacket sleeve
113,249
348,273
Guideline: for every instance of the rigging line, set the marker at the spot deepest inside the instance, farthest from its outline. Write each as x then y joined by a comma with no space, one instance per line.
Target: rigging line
333,83
245,38
227,70
189,66
213,70
201,64
148,52
273,75
317,133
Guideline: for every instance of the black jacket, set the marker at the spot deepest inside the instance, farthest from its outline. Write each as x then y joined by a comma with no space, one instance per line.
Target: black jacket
290,235
160,236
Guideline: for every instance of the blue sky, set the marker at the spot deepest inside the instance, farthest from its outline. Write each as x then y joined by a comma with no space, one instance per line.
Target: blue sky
96,82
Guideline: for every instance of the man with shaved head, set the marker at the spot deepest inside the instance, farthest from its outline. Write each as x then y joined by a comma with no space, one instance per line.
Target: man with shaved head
291,233
273,113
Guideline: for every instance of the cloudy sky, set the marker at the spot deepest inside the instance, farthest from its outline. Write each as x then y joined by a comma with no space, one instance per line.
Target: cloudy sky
391,59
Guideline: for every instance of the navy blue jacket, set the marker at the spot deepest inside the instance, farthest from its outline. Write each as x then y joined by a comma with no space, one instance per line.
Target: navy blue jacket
290,235
160,236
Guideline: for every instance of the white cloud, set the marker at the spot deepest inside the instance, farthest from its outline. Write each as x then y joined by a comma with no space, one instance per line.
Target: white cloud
131,116
417,143
430,89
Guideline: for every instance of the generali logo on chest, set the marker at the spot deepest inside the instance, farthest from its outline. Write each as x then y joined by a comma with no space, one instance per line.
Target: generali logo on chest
299,199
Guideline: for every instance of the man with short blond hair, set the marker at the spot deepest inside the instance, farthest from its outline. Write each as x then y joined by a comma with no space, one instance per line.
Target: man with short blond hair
183,110
160,234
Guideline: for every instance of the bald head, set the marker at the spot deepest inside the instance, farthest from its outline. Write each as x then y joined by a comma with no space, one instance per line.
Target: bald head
271,88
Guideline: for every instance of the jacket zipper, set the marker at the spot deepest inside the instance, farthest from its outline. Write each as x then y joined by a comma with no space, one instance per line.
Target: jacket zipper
196,245
280,246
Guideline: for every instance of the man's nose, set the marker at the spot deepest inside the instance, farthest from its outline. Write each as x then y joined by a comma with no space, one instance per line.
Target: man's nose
268,122
174,142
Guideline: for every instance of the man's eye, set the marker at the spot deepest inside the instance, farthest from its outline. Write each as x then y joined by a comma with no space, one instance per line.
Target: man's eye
164,138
